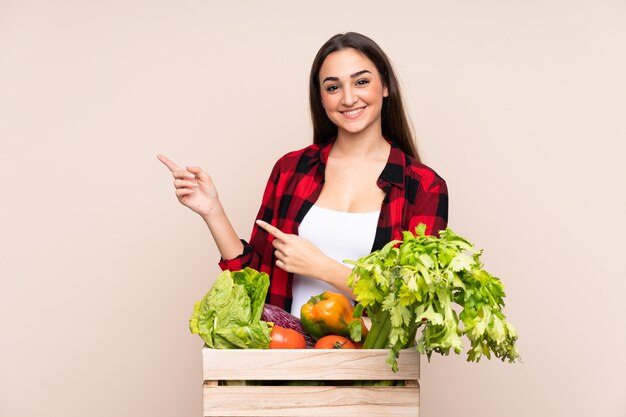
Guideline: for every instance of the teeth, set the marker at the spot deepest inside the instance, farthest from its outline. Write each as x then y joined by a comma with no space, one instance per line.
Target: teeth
353,112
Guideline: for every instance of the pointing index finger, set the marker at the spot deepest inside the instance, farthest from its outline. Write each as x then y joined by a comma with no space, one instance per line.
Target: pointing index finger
274,231
169,164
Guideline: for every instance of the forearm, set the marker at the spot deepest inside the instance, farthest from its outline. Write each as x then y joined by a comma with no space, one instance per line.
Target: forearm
335,274
228,243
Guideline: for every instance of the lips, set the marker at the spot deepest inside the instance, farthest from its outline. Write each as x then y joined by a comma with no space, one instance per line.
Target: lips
353,113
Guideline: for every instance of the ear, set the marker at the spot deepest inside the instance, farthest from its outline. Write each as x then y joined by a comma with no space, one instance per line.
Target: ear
385,91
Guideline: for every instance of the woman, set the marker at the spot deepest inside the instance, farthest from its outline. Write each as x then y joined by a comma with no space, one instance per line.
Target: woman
356,188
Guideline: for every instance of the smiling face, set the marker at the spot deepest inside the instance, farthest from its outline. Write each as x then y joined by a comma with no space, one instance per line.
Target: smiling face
352,92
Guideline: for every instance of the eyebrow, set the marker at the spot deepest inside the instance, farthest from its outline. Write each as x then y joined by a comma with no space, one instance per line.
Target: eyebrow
356,74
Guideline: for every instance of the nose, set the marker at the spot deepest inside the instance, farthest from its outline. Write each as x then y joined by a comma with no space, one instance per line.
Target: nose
349,98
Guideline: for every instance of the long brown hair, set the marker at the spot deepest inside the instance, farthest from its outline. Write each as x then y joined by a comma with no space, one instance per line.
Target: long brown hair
395,125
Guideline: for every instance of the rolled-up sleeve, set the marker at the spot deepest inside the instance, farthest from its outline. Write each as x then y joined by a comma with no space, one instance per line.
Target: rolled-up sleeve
248,258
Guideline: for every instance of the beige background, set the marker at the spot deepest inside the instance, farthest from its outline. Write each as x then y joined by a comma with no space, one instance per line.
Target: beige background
519,105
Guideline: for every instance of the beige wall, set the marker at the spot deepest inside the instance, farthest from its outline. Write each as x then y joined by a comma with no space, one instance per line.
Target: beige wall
520,105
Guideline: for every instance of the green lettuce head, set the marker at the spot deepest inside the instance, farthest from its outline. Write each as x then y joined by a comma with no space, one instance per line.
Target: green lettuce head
229,315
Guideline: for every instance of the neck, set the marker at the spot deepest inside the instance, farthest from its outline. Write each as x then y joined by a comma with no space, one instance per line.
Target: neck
361,145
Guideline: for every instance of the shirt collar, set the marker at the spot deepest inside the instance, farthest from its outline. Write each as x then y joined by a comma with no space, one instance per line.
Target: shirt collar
392,174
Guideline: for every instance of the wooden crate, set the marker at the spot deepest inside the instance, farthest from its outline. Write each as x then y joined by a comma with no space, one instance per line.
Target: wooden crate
338,368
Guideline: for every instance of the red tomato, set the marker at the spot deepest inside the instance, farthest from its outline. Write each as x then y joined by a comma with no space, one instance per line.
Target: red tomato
283,338
334,342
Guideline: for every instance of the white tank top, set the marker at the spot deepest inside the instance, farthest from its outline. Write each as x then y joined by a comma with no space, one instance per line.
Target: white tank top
340,235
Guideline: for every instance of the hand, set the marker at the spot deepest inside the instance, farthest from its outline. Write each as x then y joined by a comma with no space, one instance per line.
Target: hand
194,188
294,253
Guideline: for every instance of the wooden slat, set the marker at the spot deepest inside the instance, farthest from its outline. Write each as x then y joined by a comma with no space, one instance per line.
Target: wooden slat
309,364
311,401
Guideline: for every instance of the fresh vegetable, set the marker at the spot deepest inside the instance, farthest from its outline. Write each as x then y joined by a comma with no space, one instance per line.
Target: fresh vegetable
334,342
416,283
280,317
237,383
229,315
378,383
283,338
330,313
301,383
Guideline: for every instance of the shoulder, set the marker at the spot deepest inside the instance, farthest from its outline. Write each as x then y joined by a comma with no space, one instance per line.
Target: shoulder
291,160
424,175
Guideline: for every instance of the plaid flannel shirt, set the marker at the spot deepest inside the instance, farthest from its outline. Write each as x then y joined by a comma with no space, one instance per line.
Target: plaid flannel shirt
414,194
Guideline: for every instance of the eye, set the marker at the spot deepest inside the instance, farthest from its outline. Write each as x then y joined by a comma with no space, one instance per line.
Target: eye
362,82
332,88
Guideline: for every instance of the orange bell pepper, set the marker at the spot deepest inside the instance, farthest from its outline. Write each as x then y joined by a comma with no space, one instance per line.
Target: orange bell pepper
329,313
